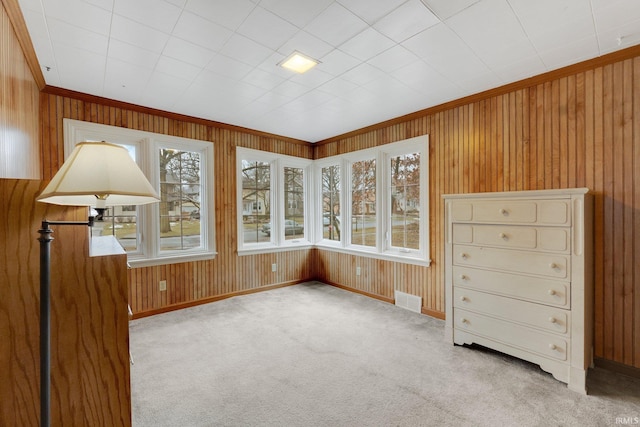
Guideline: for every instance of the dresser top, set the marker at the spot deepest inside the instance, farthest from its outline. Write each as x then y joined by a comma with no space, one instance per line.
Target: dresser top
528,194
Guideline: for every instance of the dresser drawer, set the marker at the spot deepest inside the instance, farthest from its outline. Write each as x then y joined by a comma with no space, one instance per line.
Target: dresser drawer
547,212
534,289
511,334
554,239
539,263
539,316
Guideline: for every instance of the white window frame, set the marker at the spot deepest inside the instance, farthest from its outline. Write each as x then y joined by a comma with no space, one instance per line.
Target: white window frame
148,222
383,249
277,240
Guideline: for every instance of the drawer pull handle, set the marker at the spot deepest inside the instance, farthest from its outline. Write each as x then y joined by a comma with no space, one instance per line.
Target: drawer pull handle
463,298
504,212
552,319
503,236
463,277
551,292
463,255
552,347
553,265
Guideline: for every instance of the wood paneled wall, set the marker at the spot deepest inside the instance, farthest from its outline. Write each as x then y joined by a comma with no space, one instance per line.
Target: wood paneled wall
576,130
89,322
19,148
187,283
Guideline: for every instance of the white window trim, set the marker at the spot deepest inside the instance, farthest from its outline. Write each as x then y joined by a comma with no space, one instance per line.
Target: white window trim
147,144
383,249
277,241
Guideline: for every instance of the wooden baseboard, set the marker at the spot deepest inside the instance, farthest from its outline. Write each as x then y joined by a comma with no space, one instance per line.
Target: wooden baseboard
180,306
172,307
433,313
617,367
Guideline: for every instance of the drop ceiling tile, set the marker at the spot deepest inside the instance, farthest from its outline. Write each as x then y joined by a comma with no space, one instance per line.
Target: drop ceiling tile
538,16
262,79
307,101
188,52
297,12
444,9
617,14
103,4
132,54
479,82
335,25
571,52
371,10
245,50
393,59
46,58
80,14
225,66
519,50
406,21
176,68
337,62
200,31
521,69
266,28
628,35
423,78
363,74
290,89
576,28
33,5
228,13
155,14
77,37
312,78
270,65
366,44
499,31
80,70
338,87
307,44
443,50
124,80
162,91
36,22
131,32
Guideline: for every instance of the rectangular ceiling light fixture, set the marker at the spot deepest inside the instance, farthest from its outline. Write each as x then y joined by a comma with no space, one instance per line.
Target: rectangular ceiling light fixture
298,62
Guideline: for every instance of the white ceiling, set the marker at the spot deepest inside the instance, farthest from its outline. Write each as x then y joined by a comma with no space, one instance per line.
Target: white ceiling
380,59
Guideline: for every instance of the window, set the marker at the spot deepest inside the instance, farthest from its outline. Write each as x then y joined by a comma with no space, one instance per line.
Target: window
385,191
273,193
330,193
179,228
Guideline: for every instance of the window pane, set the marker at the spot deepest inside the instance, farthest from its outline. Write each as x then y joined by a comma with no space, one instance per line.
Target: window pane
331,202
363,203
293,203
119,221
256,212
405,201
180,200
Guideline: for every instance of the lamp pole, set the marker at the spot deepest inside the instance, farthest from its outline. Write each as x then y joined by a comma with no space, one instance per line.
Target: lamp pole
45,314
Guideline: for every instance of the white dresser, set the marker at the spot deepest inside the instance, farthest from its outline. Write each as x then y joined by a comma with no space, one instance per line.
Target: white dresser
518,277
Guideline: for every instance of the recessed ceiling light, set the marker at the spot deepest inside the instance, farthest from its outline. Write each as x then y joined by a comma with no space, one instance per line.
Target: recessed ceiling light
298,62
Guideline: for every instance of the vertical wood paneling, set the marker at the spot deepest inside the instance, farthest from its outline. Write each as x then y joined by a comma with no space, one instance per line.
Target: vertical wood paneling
577,130
19,148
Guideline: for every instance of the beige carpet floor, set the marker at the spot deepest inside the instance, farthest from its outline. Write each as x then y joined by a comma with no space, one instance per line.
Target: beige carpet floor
316,355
